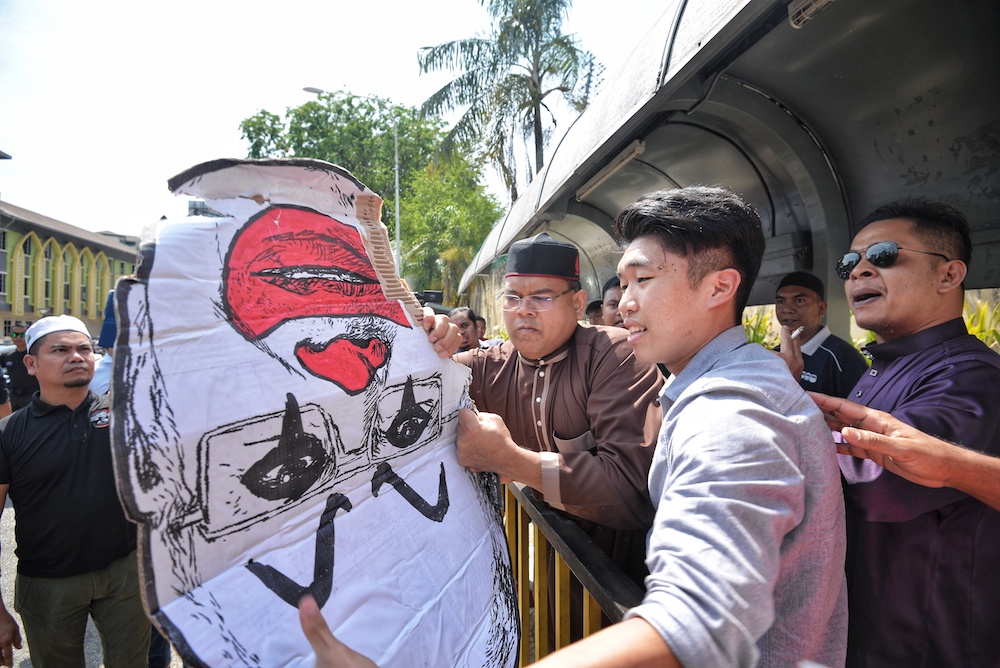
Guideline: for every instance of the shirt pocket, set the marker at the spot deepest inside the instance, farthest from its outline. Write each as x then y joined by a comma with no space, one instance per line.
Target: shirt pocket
581,443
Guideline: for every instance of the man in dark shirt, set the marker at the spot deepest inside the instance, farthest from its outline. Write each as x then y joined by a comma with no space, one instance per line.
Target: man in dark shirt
922,582
75,548
22,385
832,365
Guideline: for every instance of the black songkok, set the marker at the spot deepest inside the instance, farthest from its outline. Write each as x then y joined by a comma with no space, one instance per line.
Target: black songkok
541,255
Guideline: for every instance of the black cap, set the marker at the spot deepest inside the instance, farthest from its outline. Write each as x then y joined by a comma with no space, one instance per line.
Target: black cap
541,255
804,280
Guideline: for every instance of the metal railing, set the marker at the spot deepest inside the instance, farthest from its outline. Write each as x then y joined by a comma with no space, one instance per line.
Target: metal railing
533,524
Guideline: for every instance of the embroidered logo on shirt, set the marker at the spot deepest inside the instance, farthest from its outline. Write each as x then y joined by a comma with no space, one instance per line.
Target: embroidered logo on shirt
101,417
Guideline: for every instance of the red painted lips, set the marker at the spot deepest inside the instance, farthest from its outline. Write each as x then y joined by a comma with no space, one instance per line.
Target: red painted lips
293,263
347,362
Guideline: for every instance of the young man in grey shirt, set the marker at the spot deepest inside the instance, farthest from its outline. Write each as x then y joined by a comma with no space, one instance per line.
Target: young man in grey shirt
747,547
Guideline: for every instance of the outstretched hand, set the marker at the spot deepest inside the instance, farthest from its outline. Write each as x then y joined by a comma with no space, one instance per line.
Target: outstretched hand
330,652
890,443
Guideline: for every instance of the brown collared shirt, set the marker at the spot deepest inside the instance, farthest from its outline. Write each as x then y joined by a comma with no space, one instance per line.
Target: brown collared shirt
591,409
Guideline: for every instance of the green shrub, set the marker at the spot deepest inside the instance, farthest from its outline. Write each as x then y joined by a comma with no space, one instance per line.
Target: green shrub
757,323
983,322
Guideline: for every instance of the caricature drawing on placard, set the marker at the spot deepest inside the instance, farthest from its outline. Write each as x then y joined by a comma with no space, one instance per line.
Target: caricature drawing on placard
282,427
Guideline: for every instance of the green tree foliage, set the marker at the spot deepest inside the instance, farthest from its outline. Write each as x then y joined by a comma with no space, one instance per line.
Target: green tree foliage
439,205
449,215
353,132
506,80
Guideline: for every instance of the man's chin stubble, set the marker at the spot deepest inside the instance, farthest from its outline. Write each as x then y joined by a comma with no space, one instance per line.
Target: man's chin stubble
77,383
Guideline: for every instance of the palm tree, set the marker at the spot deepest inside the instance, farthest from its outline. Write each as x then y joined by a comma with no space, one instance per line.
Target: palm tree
506,80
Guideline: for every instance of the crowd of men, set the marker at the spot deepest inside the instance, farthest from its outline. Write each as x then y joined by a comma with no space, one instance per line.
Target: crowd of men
720,488
753,556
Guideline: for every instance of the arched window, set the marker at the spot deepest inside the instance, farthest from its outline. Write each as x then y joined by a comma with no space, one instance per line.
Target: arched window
86,262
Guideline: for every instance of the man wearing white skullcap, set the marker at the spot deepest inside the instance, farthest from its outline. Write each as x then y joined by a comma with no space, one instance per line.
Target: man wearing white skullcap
76,549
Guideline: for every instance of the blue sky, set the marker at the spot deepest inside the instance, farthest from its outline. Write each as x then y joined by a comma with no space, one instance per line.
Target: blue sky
101,103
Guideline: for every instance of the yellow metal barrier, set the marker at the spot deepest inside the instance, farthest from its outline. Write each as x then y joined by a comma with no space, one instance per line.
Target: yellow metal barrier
532,527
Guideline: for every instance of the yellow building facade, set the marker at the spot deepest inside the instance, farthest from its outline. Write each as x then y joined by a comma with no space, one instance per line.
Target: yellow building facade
48,267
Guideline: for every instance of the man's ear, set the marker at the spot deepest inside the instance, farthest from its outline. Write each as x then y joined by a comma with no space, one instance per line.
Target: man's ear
29,364
951,274
822,308
722,285
580,300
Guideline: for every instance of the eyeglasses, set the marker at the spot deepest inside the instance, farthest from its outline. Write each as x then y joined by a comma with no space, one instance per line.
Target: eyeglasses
532,302
17,335
882,254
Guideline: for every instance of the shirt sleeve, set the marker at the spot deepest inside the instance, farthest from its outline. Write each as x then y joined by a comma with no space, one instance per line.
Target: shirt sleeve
729,498
607,483
955,403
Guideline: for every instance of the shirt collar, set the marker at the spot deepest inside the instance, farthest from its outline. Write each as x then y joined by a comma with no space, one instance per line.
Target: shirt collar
706,358
925,338
40,408
812,345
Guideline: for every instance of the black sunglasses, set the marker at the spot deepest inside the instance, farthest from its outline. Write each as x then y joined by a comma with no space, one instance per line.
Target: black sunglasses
882,254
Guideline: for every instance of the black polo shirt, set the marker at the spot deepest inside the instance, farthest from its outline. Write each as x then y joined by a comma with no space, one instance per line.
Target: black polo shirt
832,366
57,462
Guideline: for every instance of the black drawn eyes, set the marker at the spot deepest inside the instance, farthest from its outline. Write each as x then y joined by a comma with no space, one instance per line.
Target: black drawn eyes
298,452
294,465
410,421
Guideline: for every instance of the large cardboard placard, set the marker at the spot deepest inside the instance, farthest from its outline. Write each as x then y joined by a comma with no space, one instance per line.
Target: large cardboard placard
283,426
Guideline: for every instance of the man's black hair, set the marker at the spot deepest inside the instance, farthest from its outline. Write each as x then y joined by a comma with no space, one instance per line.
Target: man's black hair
712,228
942,227
469,313
613,282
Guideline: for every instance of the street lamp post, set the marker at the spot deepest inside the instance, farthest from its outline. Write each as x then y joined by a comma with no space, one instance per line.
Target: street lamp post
399,243
395,138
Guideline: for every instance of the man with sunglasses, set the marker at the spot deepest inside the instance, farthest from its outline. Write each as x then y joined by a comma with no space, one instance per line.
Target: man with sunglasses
21,384
565,409
921,573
